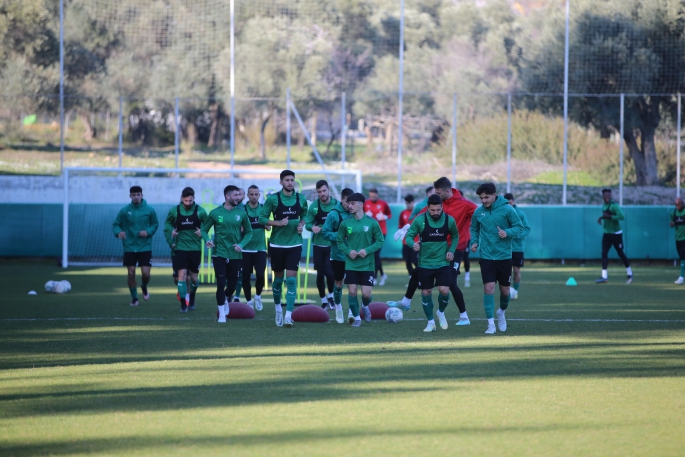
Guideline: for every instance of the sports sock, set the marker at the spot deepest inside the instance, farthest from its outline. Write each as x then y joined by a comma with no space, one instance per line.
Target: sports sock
605,274
366,300
288,314
467,276
503,301
353,303
279,308
182,289
443,301
193,289
337,295
406,301
682,268
629,271
491,321
463,316
277,288
427,302
516,286
238,284
143,286
489,305
291,293
134,292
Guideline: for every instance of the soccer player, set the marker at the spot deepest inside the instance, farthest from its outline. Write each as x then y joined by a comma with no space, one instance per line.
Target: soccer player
378,209
314,221
184,223
517,246
418,208
254,252
135,225
359,237
241,198
232,231
409,255
678,221
613,236
493,227
438,240
285,245
330,232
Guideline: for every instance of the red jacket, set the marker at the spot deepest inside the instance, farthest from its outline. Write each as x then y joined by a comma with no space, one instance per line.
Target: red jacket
376,208
461,209
404,220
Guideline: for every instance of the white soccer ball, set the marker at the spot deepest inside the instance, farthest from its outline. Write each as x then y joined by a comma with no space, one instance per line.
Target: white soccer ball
50,286
393,315
67,285
62,287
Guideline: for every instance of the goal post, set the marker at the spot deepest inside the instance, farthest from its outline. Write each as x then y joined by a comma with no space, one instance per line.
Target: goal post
92,198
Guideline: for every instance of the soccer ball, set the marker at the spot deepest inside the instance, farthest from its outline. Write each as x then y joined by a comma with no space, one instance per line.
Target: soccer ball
62,287
393,315
50,286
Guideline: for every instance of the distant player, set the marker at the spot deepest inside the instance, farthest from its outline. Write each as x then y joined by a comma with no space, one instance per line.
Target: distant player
678,221
517,247
135,225
254,252
185,222
330,232
419,207
285,244
493,227
232,231
359,237
409,255
241,204
316,217
613,236
438,240
378,209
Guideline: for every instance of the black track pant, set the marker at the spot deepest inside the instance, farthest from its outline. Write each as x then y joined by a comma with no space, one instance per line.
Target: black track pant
615,240
253,261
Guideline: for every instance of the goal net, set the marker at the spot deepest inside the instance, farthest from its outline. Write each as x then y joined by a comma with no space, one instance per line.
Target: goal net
94,196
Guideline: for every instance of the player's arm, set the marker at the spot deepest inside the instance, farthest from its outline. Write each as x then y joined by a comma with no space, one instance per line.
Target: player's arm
378,239
414,229
154,223
310,218
618,214
341,239
305,208
204,217
415,212
117,225
387,211
515,228
526,226
169,224
247,232
454,235
474,232
329,231
265,215
207,224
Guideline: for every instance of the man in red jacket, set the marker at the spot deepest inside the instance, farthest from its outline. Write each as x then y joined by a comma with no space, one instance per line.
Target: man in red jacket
378,209
461,209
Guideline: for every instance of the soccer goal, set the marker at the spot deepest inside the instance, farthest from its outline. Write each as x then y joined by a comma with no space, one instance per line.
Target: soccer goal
94,196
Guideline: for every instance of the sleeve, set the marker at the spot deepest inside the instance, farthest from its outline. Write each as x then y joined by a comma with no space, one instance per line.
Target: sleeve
247,232
330,227
154,223
341,240
305,206
169,223
207,225
672,216
204,217
310,217
267,209
475,231
619,214
515,226
415,212
117,225
386,210
454,236
378,239
526,226
414,229
418,213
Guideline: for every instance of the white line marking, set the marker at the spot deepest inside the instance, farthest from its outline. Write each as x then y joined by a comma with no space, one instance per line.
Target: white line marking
36,319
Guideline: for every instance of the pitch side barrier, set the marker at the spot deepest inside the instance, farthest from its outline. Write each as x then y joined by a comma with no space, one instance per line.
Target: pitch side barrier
557,232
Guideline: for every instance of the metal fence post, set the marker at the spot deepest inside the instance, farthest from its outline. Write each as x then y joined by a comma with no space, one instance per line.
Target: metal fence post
176,132
399,106
454,139
121,132
509,142
620,153
287,127
343,136
677,173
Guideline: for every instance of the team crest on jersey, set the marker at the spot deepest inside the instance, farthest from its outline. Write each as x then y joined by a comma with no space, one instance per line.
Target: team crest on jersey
237,218
366,228
221,219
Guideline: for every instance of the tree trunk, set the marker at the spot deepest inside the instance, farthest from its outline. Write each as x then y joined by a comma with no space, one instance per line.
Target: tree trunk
262,140
89,130
644,155
651,176
192,133
213,140
636,155
312,127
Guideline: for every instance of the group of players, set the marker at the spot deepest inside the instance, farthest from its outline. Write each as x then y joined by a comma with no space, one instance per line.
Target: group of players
437,235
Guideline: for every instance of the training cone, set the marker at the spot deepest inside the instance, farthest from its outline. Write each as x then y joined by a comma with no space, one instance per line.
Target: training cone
571,282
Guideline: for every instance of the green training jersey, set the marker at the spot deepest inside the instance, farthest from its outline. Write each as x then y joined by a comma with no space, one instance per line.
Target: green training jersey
357,234
518,244
281,206
185,222
330,230
258,240
132,219
437,239
417,208
678,218
231,227
485,225
614,213
316,216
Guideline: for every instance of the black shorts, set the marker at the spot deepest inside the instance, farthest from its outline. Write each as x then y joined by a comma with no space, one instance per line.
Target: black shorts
338,269
285,258
187,260
363,278
142,259
496,271
322,255
254,261
680,247
434,277
227,267
517,258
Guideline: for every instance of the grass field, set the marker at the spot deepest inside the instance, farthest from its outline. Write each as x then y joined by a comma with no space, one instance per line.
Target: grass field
586,370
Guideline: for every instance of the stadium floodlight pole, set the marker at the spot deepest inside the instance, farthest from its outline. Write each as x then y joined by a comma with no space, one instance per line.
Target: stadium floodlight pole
454,139
61,85
121,132
176,127
509,142
568,13
65,218
343,136
232,8
287,127
677,172
399,106
620,154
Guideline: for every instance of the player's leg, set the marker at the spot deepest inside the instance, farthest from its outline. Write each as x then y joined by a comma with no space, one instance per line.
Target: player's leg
466,261
260,272
330,278
367,290
406,256
338,267
292,264
489,275
352,301
517,263
426,281
680,248
606,245
236,294
220,265
145,264
443,301
457,295
195,258
182,288
131,276
319,262
405,303
379,268
617,243
246,274
504,280
278,267
232,276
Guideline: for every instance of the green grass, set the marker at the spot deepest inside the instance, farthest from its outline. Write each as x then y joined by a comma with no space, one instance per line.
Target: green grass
574,178
84,373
